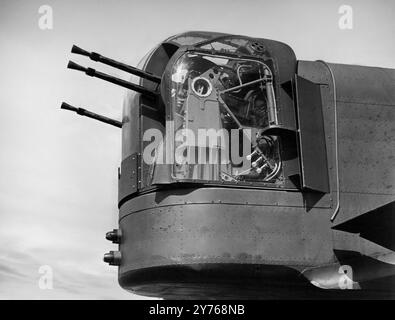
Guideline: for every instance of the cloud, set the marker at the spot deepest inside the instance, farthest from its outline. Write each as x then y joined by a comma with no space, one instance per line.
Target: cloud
8,271
19,276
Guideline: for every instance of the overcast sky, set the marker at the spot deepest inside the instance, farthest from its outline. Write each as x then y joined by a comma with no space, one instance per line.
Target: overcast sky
58,171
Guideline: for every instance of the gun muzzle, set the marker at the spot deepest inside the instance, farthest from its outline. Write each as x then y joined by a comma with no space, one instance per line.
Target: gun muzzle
126,84
89,114
67,106
75,66
116,64
78,50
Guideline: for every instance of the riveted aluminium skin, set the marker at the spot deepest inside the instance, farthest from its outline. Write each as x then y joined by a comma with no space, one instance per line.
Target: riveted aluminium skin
238,241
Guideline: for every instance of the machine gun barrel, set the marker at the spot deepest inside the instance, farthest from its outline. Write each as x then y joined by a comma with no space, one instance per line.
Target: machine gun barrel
119,65
89,114
126,84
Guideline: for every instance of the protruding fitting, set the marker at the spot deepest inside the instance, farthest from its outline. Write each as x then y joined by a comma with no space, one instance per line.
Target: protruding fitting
249,157
114,236
259,170
113,258
255,163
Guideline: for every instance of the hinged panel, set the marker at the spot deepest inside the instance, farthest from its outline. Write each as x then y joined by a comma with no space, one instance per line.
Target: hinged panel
313,156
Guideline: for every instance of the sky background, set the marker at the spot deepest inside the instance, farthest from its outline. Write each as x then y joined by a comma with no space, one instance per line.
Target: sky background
58,171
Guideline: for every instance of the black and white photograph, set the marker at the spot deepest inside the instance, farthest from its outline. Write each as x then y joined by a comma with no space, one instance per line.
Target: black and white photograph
197,150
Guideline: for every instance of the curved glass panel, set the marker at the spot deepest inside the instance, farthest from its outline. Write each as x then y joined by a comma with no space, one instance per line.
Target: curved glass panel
220,106
130,113
192,38
230,45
